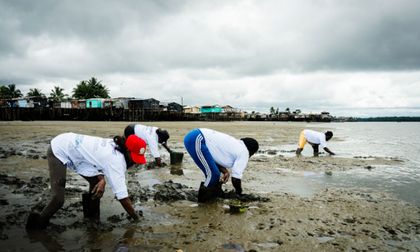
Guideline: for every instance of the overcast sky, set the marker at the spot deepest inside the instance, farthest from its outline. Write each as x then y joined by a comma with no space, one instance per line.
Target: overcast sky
359,57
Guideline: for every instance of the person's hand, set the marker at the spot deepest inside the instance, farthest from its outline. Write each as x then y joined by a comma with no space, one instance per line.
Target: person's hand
99,189
158,162
225,177
135,217
163,164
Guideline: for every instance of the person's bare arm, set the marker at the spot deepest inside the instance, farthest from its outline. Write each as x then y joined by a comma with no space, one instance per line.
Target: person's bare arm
126,203
328,150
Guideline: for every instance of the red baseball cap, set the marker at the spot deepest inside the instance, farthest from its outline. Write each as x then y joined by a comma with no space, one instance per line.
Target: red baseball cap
137,147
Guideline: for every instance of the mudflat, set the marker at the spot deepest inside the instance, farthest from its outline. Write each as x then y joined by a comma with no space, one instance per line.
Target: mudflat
330,219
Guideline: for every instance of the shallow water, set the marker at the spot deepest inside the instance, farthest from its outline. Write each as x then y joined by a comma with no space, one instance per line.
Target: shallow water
393,140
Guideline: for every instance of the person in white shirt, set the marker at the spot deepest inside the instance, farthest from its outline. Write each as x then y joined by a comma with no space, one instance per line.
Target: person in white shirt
94,158
315,139
153,137
219,156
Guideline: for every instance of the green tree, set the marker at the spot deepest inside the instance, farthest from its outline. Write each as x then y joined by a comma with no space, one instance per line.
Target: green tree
90,89
35,92
9,91
57,94
272,111
4,92
288,110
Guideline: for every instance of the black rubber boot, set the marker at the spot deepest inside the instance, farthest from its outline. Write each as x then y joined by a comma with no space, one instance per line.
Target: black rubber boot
206,194
91,208
35,222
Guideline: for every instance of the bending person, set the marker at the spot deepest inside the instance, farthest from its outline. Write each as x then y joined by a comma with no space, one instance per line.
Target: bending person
219,156
315,139
153,137
95,159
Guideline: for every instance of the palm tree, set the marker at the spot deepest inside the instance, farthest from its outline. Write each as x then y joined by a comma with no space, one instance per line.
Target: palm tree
272,111
81,91
90,89
9,91
100,90
35,92
57,94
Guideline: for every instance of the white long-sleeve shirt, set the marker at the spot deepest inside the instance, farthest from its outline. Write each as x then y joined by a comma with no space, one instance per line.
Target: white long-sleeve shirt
91,156
227,151
315,137
149,135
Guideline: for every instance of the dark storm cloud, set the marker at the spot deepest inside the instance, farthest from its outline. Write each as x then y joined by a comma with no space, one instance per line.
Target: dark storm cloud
94,24
385,37
302,36
294,52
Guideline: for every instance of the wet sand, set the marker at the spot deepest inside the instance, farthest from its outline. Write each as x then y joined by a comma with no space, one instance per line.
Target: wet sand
332,219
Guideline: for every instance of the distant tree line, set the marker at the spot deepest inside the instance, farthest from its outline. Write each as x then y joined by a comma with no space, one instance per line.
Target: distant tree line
86,89
390,119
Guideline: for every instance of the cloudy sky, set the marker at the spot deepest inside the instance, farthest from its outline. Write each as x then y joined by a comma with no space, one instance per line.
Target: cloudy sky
357,57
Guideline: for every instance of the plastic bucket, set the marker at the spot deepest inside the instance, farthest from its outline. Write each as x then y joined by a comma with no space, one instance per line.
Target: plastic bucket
176,158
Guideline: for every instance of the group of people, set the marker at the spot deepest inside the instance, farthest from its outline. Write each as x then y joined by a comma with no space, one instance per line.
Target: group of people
219,156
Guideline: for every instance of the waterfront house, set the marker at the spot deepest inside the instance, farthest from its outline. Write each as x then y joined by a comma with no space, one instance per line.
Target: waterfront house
121,102
144,104
108,103
82,103
4,103
95,103
211,109
74,103
175,107
192,110
325,116
22,103
229,109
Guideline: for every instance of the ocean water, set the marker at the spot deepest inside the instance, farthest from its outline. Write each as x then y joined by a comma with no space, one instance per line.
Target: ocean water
396,140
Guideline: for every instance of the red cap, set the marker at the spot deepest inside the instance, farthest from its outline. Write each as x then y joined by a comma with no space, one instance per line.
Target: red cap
137,147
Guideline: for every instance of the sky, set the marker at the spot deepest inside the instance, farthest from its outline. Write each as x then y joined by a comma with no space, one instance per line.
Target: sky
351,58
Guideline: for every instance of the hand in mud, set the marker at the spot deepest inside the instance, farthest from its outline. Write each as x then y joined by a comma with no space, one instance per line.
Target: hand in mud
163,164
99,189
225,177
158,162
137,217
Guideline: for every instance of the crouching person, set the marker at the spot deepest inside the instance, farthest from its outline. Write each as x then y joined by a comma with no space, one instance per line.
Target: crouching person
219,156
95,159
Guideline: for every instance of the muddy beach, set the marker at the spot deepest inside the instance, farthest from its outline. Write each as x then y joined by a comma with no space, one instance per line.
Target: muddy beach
332,218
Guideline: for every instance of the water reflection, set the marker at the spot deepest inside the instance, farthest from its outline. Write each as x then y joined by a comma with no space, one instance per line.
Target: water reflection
47,240
126,240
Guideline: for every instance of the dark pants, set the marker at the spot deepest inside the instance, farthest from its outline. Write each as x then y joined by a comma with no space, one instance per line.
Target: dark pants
58,173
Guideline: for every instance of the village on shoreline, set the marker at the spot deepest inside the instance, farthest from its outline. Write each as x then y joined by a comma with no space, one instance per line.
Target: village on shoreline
90,100
133,109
